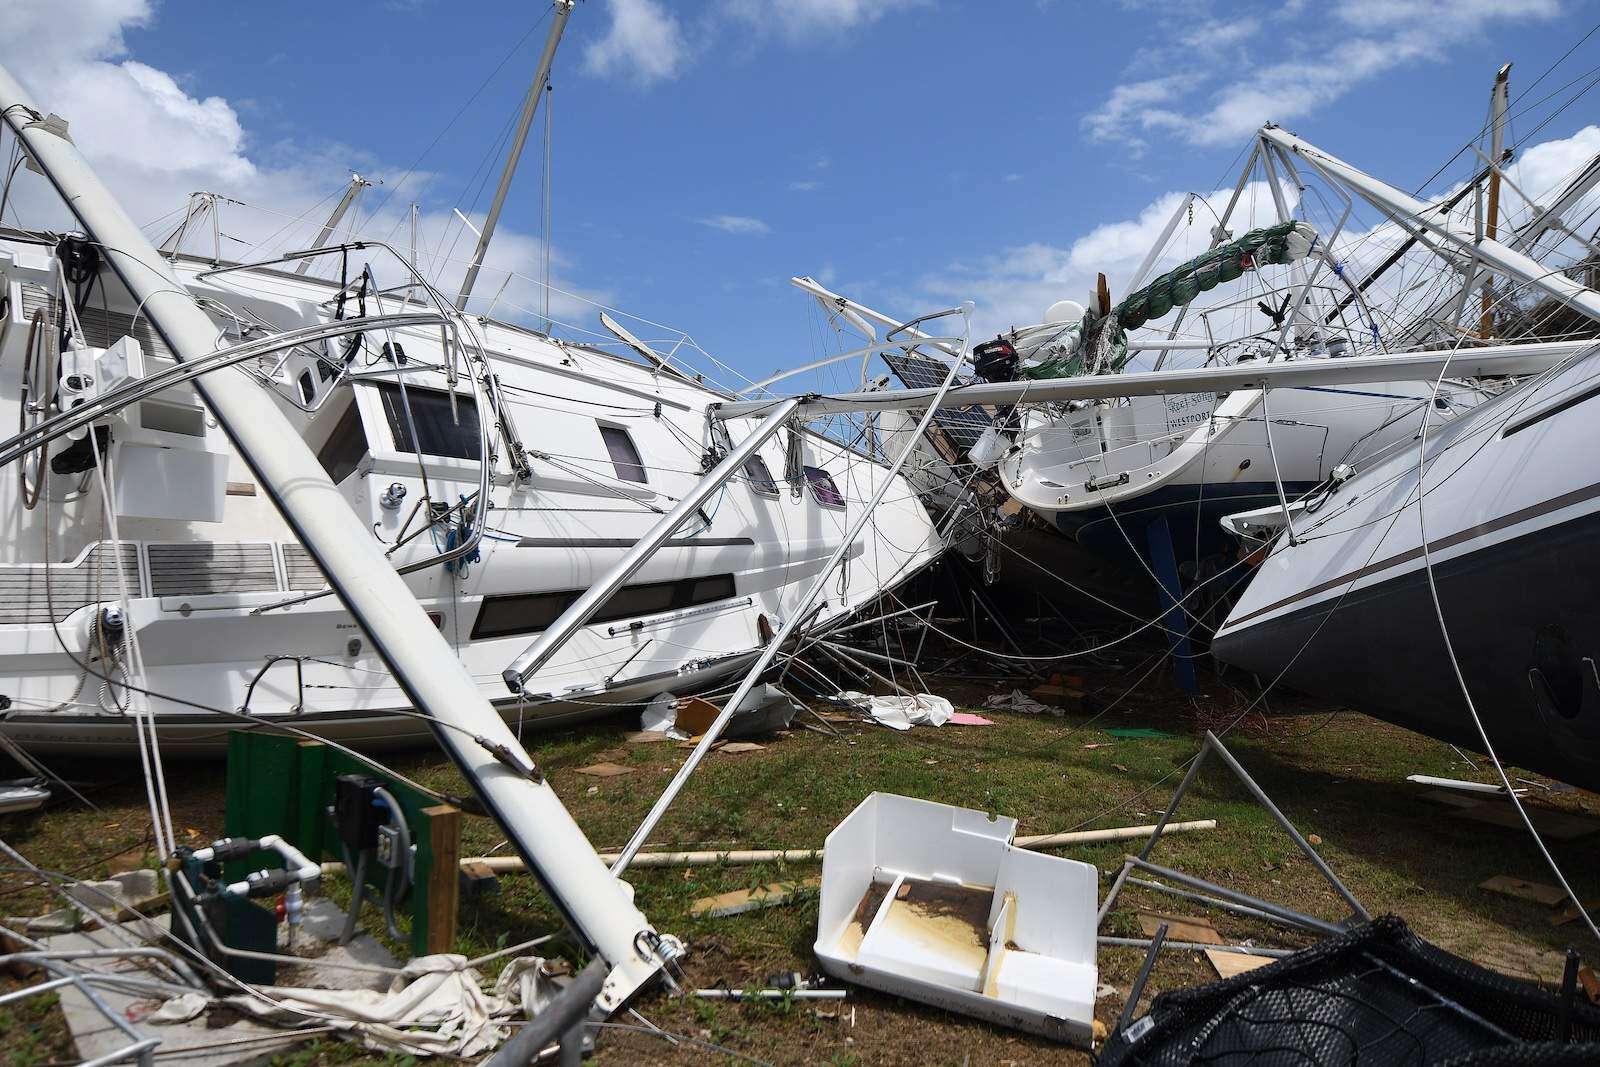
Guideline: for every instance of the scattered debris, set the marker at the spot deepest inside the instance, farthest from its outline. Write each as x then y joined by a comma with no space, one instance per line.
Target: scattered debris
1538,892
1459,785
967,718
1017,700
645,737
1061,696
605,770
1229,964
1561,825
740,901
903,712
766,710
1180,928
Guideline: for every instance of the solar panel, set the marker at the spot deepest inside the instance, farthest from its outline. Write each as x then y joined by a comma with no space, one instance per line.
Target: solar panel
963,426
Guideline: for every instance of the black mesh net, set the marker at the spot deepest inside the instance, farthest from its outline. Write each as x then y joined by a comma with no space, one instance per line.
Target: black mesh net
1377,995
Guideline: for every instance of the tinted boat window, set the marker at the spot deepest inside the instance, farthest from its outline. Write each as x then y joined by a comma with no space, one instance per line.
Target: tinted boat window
624,456
341,453
438,434
526,613
823,489
759,475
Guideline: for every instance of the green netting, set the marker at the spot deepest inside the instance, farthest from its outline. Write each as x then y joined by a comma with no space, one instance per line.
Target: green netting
1179,286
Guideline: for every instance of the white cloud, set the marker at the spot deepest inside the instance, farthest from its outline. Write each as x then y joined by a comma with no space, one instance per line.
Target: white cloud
743,225
1016,285
153,140
644,44
804,186
1206,96
809,19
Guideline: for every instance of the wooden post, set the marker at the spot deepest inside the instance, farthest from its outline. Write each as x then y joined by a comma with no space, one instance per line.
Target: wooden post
438,907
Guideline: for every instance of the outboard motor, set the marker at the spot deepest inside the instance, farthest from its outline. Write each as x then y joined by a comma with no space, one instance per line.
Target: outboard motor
995,361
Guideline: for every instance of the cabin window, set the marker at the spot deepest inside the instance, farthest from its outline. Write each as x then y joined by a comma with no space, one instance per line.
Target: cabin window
526,613
341,453
308,387
624,456
823,488
760,477
438,432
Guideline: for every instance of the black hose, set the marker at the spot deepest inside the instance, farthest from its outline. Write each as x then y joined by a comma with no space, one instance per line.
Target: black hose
358,887
559,1016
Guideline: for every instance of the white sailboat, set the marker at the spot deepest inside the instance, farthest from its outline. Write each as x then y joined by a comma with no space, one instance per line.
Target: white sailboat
501,469
1451,588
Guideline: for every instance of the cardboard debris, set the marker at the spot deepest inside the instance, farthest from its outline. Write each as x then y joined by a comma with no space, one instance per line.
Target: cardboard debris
1538,892
966,718
695,715
1180,928
605,770
1059,695
739,746
1590,983
743,900
1229,964
1561,825
645,737
1569,912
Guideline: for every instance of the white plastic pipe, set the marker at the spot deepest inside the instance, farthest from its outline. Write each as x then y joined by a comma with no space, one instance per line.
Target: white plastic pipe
598,907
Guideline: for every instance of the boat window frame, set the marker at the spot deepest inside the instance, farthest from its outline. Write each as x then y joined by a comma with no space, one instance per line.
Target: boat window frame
628,604
620,467
813,475
761,483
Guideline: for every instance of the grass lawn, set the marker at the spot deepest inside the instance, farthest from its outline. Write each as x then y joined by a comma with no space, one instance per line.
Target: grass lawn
1338,776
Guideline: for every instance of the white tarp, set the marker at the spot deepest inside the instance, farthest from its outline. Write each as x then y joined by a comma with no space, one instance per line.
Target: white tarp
1017,700
434,1007
902,713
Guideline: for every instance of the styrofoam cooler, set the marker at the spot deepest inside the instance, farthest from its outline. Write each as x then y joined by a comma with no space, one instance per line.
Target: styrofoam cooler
934,903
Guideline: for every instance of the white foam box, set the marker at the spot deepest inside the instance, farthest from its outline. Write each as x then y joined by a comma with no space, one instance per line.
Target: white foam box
934,903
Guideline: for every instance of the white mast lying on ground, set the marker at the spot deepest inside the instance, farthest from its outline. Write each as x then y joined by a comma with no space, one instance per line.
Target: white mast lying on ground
598,907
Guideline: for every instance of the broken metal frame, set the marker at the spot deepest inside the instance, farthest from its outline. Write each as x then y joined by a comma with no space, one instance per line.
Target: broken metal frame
1289,916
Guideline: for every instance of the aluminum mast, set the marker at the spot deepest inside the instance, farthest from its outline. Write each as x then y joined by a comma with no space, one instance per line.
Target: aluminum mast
530,104
597,906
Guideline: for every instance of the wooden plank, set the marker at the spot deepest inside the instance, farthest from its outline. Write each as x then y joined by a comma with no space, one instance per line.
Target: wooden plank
1229,964
439,906
1561,825
1538,892
743,900
605,770
1180,928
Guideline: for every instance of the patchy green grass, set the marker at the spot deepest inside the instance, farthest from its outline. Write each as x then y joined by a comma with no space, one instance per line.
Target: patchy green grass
1341,777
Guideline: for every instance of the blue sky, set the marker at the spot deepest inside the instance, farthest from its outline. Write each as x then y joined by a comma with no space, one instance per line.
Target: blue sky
911,153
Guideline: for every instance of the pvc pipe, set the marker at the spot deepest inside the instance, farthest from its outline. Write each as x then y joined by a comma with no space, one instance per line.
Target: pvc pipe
422,661
1120,833
734,858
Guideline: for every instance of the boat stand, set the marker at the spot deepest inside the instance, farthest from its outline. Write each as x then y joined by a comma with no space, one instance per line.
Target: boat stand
1222,896
1174,619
